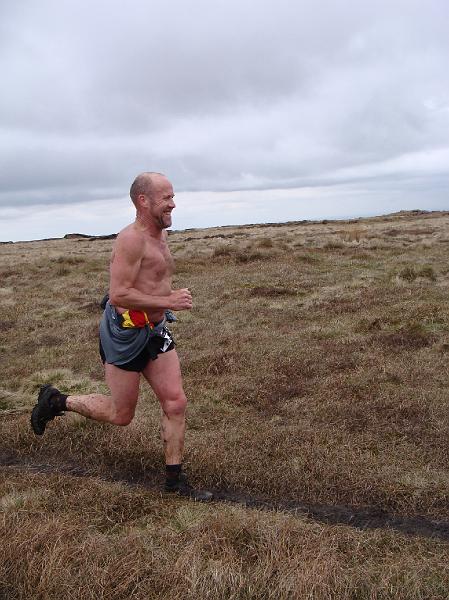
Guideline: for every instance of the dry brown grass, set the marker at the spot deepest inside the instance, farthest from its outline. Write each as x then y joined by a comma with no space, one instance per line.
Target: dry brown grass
101,540
315,361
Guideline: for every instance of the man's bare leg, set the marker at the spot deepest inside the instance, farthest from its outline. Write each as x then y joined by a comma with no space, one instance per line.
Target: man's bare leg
119,407
164,376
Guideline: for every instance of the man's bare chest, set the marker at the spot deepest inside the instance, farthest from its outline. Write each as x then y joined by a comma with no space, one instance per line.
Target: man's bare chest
157,262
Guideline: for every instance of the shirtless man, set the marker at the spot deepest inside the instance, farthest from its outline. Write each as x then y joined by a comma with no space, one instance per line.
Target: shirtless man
133,337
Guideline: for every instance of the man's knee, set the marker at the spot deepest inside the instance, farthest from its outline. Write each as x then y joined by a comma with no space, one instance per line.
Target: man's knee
123,416
122,419
175,406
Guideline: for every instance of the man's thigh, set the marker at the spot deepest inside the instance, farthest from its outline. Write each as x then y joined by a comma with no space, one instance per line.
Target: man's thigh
124,385
164,376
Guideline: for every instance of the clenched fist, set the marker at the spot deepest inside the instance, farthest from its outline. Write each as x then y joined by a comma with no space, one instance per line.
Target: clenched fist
181,299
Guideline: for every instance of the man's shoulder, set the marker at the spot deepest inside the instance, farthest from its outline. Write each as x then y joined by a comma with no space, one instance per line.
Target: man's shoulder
130,234
129,240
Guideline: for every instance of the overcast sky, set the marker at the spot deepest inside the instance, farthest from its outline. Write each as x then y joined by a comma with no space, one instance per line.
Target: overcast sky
267,110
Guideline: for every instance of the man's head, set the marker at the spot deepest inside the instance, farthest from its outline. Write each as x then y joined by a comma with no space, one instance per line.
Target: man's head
152,195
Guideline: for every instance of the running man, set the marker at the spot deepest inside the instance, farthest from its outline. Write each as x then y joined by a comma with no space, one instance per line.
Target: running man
134,338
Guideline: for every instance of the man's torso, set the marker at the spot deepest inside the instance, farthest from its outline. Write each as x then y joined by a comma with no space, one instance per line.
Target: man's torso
156,269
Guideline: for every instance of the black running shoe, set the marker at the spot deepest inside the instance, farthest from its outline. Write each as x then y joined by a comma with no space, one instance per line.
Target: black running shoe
182,487
44,411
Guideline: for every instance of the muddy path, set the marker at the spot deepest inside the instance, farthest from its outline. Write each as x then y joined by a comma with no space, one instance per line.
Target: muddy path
366,517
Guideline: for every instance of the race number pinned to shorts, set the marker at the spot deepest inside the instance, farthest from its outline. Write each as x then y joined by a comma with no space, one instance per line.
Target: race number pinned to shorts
167,339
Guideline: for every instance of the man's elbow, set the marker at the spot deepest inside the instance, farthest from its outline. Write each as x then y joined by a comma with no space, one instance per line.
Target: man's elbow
117,297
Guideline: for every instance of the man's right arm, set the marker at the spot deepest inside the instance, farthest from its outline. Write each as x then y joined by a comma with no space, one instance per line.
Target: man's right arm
125,266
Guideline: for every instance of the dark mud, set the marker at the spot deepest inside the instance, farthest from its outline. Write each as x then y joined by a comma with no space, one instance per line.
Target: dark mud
366,517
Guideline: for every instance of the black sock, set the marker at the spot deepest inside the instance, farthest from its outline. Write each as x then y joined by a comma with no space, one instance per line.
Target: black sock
58,401
173,472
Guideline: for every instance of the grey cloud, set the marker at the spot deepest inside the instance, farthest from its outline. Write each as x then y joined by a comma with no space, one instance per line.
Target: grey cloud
220,96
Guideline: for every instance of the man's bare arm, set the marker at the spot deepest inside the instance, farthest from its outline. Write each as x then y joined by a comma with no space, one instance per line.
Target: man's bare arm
125,266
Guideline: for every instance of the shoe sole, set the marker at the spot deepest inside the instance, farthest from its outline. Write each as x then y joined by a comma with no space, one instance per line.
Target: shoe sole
37,427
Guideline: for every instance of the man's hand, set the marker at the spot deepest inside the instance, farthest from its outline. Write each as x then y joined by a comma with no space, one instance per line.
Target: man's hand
180,299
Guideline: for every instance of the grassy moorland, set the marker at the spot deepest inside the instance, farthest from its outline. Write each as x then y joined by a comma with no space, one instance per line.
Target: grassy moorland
316,364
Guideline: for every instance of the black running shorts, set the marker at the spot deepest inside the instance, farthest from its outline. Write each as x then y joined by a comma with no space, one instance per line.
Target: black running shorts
150,351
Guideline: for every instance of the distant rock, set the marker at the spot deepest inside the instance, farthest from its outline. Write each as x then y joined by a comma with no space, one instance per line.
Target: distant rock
111,236
406,213
83,236
76,236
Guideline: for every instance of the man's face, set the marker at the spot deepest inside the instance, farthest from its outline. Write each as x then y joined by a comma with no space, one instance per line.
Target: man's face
161,202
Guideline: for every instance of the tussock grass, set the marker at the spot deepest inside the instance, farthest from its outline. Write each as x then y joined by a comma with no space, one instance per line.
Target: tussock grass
271,292
316,368
116,547
410,273
237,254
264,242
70,260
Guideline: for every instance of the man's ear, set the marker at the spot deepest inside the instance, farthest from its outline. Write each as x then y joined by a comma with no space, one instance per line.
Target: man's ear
142,201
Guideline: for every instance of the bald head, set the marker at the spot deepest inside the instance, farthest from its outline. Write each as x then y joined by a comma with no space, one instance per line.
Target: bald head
144,184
